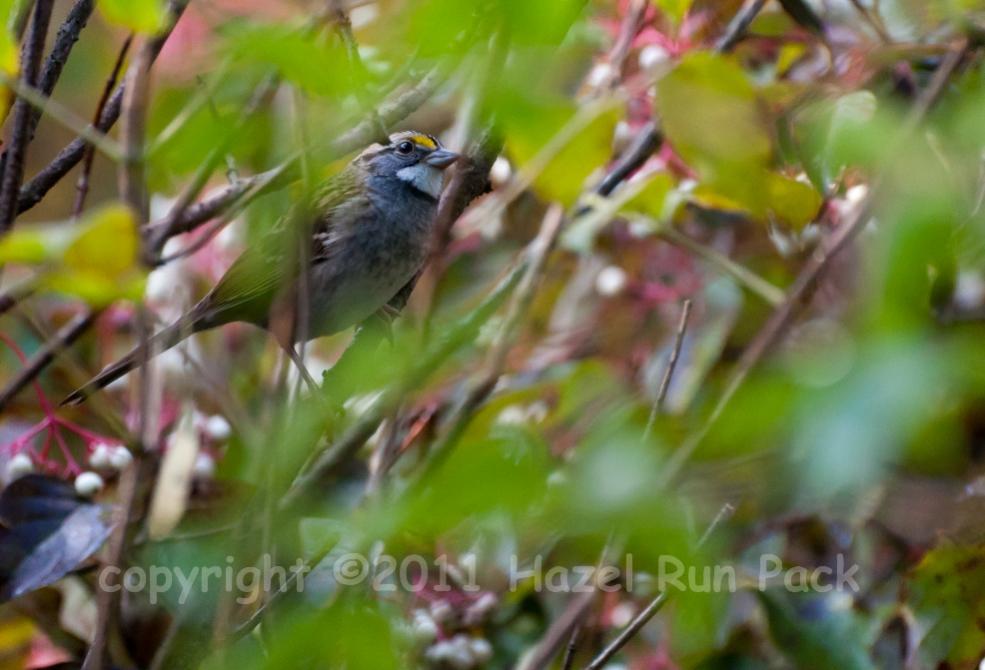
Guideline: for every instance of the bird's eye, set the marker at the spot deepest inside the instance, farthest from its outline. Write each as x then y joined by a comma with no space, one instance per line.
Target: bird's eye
405,148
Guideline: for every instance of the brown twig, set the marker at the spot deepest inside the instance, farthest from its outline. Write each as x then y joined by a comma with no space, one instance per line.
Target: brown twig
68,34
360,75
82,185
133,191
568,624
874,21
16,293
632,23
740,24
46,354
654,606
567,662
35,189
24,114
675,353
562,628
162,232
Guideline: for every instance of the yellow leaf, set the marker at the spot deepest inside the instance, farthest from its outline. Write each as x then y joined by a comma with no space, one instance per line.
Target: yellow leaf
102,263
109,244
23,247
9,56
143,16
793,202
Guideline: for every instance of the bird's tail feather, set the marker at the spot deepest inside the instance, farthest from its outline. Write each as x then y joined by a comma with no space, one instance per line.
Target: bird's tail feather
158,342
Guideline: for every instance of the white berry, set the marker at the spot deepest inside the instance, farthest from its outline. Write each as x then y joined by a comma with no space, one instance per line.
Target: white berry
100,456
217,428
424,627
120,457
88,483
481,650
204,466
18,466
441,611
611,281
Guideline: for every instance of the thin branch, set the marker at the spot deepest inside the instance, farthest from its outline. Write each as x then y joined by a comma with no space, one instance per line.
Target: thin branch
62,115
874,21
632,23
16,293
647,141
164,231
536,260
561,629
68,35
654,606
675,353
739,25
773,295
568,623
13,168
132,186
133,191
82,185
34,190
567,662
45,355
360,75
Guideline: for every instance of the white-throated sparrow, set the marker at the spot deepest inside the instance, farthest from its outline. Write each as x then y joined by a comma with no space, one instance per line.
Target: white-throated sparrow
370,228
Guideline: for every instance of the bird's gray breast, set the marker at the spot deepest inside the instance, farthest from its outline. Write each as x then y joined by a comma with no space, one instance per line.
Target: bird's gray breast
372,253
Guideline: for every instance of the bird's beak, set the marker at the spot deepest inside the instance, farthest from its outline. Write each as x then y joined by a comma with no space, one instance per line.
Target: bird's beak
441,158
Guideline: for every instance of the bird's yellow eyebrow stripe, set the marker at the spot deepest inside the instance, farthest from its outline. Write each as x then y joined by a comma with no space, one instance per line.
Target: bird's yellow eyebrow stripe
424,141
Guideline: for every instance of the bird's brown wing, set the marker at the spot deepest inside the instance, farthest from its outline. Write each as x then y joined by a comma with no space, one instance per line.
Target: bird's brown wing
252,283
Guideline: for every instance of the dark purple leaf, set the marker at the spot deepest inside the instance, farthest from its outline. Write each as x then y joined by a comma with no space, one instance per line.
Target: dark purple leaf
49,532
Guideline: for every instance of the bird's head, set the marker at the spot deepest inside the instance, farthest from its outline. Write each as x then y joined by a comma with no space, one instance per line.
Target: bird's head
414,158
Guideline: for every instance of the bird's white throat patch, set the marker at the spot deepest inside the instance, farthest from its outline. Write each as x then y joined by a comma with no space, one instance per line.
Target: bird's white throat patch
425,178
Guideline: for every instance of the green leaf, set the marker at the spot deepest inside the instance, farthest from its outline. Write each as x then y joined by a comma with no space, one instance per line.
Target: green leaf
710,113
532,124
675,10
654,200
947,592
142,16
713,116
792,201
320,67
816,632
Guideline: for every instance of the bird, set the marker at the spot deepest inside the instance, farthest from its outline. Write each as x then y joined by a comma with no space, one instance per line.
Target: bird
371,229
